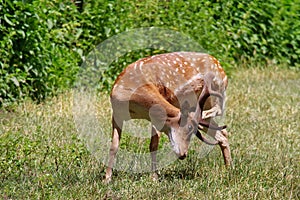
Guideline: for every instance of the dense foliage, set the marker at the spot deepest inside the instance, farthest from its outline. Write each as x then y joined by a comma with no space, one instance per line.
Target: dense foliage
37,56
42,42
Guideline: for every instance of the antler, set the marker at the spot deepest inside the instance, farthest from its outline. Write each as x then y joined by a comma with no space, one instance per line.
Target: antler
207,92
203,139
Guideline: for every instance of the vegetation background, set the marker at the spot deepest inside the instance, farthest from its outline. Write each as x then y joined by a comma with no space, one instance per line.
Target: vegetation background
43,43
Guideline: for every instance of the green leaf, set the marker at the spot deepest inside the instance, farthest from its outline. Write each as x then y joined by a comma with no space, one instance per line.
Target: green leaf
21,32
49,24
15,81
8,21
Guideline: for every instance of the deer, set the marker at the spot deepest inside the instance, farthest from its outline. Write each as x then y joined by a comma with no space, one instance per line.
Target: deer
180,93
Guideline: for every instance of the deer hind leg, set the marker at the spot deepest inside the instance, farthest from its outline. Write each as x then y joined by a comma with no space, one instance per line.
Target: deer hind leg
116,136
155,135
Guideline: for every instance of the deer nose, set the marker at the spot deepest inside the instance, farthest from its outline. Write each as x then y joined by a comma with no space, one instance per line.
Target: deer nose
183,156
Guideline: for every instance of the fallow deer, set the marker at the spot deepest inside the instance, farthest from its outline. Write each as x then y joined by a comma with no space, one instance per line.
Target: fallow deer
179,93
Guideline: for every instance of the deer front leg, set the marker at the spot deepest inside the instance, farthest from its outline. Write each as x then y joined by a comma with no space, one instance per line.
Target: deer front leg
116,136
222,138
155,135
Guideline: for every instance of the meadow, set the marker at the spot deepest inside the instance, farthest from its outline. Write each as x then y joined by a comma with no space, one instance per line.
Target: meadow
43,157
46,153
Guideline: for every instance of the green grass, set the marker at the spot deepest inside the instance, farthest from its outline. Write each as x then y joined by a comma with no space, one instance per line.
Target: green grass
42,156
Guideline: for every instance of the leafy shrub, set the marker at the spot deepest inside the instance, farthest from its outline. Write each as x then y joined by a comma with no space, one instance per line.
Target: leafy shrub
42,41
37,57
247,33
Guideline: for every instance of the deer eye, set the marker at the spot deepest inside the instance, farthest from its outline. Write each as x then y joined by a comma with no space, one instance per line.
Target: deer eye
190,127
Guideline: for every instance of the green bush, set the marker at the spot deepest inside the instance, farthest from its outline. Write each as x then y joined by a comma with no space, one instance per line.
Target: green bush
37,56
42,42
251,33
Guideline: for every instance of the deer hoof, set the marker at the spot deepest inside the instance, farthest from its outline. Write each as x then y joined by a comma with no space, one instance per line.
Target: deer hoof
154,177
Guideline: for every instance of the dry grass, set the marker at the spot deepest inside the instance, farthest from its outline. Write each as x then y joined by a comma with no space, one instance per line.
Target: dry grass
43,157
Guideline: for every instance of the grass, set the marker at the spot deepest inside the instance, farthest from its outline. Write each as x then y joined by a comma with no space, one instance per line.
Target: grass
43,157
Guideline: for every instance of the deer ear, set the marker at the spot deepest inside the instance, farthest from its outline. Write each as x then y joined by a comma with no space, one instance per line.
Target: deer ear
184,112
185,109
